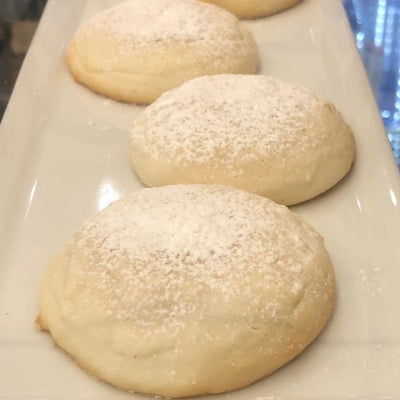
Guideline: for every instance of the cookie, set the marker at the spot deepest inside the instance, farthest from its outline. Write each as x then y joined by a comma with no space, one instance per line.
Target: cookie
254,8
186,290
252,132
141,48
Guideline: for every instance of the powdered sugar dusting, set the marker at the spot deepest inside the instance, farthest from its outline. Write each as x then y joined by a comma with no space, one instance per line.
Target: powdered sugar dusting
228,118
138,23
164,255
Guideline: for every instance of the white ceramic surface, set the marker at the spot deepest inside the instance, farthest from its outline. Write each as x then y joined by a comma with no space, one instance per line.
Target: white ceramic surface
63,156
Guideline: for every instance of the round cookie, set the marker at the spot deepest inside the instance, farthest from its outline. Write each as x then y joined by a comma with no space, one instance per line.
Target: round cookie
254,8
141,48
187,290
252,132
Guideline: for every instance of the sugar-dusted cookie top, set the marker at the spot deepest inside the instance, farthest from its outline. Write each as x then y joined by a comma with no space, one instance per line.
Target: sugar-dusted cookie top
186,290
252,132
139,49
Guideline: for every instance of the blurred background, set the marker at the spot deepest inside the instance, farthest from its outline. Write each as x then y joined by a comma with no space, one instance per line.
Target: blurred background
18,22
375,24
376,28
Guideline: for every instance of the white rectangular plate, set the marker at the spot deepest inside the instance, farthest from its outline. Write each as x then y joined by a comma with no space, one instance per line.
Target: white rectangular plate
63,156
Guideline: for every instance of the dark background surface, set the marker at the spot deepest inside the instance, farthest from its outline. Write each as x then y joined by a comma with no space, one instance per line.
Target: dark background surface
18,21
375,24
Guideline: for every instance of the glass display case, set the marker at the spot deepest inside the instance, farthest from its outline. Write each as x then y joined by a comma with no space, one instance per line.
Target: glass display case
376,27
